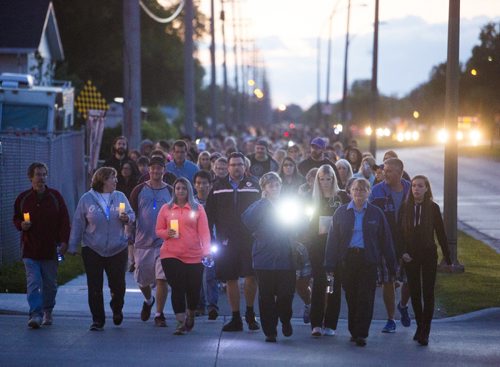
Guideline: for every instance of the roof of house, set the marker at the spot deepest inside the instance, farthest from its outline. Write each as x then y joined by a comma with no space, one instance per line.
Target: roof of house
22,24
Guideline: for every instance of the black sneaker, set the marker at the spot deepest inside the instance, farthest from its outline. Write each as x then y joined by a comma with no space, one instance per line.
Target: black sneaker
252,323
96,327
117,318
233,325
360,342
160,321
287,329
213,314
146,310
271,339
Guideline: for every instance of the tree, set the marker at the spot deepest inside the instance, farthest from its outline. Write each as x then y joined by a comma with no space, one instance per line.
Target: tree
92,53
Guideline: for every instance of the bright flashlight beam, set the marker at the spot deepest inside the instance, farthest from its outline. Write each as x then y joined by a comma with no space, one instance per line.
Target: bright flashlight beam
288,211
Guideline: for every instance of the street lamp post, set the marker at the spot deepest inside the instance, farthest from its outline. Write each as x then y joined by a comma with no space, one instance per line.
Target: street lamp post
189,117
347,134
374,86
451,116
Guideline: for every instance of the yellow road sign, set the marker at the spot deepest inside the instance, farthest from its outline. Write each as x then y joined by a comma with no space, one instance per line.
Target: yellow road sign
90,99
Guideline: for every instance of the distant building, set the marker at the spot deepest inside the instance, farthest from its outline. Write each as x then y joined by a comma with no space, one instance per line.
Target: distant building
29,39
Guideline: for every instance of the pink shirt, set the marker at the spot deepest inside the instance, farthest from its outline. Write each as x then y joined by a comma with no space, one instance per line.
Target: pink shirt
194,236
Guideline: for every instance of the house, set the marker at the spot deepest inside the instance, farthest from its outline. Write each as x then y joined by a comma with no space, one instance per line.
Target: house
29,39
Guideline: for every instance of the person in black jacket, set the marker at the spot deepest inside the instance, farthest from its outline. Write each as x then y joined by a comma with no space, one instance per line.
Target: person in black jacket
327,198
421,218
228,199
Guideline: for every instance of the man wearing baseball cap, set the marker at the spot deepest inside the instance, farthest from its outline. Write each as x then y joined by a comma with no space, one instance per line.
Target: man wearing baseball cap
146,199
317,158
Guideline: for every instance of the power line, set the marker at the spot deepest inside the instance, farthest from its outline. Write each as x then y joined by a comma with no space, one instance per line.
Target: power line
162,20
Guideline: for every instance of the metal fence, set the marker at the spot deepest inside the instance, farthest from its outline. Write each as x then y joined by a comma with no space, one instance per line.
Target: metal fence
64,155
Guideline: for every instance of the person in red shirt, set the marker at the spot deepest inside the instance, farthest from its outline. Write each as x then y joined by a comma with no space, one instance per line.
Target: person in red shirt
41,215
183,225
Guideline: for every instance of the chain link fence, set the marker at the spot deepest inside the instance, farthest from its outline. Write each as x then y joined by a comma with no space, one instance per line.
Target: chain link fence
64,155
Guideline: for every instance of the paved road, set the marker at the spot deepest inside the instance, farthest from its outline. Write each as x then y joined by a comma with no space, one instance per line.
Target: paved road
478,189
135,343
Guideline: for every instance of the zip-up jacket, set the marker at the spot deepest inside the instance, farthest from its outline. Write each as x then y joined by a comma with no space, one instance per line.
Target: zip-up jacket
92,227
194,237
272,247
225,206
376,237
49,223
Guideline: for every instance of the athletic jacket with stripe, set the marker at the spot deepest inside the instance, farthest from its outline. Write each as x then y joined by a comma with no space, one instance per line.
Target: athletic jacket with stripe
225,206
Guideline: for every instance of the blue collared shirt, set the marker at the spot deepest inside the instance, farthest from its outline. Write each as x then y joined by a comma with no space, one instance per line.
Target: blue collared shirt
234,184
357,232
187,169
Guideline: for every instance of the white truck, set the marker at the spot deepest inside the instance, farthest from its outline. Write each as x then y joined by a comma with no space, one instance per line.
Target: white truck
26,108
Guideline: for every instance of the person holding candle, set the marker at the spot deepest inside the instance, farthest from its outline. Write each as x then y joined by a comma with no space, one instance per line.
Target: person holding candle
183,226
41,215
99,224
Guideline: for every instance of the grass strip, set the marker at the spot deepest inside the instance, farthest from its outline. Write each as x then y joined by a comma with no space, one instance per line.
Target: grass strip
476,288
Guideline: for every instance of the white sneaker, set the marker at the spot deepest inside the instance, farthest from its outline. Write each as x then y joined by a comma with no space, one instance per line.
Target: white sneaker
328,332
35,322
316,331
47,318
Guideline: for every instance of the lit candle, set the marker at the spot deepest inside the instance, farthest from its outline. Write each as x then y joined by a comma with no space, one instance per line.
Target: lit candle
174,224
27,217
121,208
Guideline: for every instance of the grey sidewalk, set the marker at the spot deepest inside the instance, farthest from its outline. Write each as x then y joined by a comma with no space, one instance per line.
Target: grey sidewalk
467,340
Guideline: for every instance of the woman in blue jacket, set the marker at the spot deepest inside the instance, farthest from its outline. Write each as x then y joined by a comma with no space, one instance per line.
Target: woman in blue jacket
358,239
272,258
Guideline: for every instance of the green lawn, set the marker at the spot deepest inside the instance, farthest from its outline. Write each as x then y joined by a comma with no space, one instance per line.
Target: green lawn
475,289
13,278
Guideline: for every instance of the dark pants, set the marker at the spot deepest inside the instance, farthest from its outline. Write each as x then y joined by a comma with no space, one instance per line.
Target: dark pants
276,290
359,282
321,314
185,281
114,266
421,273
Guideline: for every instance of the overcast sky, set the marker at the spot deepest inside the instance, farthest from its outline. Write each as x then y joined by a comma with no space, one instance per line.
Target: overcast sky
412,39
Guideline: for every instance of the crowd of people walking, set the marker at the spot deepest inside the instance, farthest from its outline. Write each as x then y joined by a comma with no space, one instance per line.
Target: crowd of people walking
309,218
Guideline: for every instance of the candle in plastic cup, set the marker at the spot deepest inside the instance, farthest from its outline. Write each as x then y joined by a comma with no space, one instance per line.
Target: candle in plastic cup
121,208
174,224
27,217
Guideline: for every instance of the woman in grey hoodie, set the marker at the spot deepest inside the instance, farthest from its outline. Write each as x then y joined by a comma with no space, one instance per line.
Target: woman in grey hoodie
99,225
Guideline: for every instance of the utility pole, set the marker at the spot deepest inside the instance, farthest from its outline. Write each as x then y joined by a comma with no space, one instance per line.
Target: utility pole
347,133
374,86
189,70
318,81
451,118
132,72
213,90
224,64
237,110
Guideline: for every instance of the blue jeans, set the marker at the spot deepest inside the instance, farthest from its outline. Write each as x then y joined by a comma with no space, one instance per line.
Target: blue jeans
41,285
209,289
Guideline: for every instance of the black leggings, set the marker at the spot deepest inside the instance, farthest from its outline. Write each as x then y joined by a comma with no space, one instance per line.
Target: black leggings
185,281
421,273
323,315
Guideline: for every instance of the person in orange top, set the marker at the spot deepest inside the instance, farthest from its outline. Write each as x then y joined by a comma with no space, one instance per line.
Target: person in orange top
182,224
